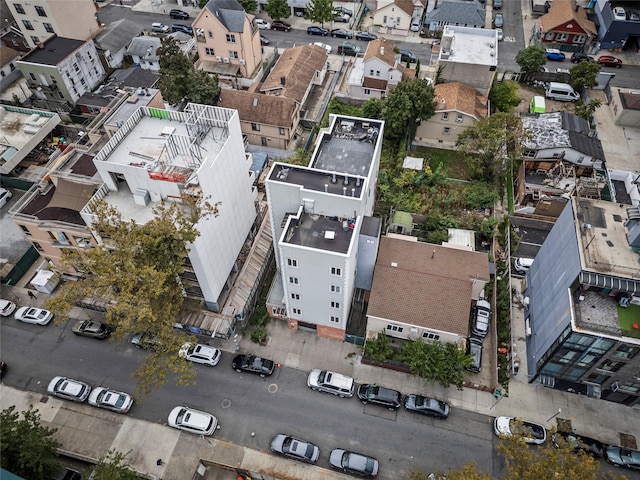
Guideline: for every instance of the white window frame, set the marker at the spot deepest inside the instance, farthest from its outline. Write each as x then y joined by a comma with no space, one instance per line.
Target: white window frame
292,262
337,271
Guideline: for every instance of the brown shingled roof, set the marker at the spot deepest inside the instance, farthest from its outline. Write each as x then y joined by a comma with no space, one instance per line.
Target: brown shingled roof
258,107
406,5
561,12
7,54
413,285
460,97
375,50
298,66
375,83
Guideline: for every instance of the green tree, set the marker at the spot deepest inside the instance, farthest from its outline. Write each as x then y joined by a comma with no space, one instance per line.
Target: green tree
378,349
587,111
436,362
531,59
202,3
410,102
319,11
490,146
278,9
417,69
372,108
249,5
114,466
27,448
180,82
140,266
584,74
504,96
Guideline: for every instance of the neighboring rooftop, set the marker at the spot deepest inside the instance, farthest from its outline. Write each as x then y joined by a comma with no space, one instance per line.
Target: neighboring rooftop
456,96
603,245
469,45
229,12
461,13
117,35
258,107
319,232
53,51
602,315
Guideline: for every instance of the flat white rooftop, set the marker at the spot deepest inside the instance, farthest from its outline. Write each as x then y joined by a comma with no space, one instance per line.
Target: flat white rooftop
469,45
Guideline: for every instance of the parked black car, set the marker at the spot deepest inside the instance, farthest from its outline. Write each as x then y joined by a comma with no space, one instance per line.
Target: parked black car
406,55
426,406
176,13
341,32
587,445
578,57
252,364
366,36
474,347
282,26
386,397
89,328
317,31
178,27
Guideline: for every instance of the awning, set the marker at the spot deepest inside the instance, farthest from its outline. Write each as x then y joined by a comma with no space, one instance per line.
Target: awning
609,282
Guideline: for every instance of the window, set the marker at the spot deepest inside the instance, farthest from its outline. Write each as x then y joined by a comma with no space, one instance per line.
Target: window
231,38
371,73
255,127
292,262
579,38
27,25
336,271
282,131
446,130
294,280
264,141
335,319
549,36
38,247
19,8
625,351
76,67
233,54
279,311
48,27
430,336
611,366
445,116
377,73
367,91
83,82
395,328
335,304
35,40
32,76
460,118
384,19
25,230
210,33
209,51
40,11
295,296
335,288
562,37
297,311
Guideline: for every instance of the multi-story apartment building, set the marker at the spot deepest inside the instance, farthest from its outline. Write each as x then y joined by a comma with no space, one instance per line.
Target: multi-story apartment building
618,24
321,219
582,303
154,156
61,72
39,20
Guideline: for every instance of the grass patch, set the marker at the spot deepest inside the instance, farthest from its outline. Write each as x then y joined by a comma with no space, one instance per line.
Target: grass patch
452,161
627,317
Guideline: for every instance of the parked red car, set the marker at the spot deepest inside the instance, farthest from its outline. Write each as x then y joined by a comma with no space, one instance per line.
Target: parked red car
609,61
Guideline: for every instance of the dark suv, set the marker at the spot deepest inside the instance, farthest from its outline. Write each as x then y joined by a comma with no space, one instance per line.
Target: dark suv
181,14
578,57
386,397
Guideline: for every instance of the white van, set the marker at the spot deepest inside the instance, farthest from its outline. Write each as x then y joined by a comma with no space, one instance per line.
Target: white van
561,91
522,264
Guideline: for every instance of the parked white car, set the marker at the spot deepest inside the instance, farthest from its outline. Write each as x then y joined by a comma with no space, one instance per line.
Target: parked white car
262,24
199,353
118,402
5,196
323,45
531,432
192,421
38,316
69,389
6,307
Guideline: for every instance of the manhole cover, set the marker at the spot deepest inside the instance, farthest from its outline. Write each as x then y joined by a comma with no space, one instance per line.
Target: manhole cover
44,399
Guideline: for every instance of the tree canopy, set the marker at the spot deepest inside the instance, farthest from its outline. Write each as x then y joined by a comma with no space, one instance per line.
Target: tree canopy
278,9
27,448
138,266
409,103
531,59
436,362
490,146
584,74
114,466
249,5
180,82
504,96
319,11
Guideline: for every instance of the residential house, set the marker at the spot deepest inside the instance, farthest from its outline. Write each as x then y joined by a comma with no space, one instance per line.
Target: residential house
61,72
322,227
143,51
39,20
22,130
266,120
394,15
566,27
561,136
618,24
424,291
470,56
9,72
296,72
625,105
582,303
458,107
455,13
11,36
405,223
228,43
375,74
113,41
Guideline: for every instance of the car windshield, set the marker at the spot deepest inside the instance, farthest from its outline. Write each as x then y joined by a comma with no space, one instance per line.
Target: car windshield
114,399
309,451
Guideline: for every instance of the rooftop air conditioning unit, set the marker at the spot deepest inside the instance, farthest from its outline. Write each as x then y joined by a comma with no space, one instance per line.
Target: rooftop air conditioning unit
225,59
218,59
243,62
